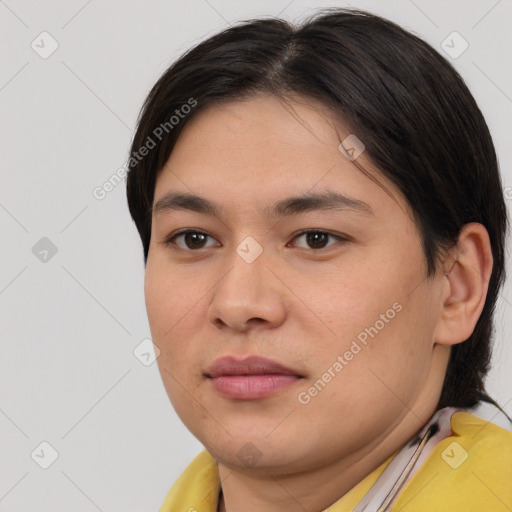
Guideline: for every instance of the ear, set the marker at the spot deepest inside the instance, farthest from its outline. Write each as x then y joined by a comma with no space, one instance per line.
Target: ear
464,286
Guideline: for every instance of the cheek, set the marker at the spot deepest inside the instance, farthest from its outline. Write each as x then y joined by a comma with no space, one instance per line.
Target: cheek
377,371
350,304
164,310
154,295
374,319
176,313
167,299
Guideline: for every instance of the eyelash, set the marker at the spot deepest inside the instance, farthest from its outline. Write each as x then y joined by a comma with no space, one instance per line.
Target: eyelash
171,240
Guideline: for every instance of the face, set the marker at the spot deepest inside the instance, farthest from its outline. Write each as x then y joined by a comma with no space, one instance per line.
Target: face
345,308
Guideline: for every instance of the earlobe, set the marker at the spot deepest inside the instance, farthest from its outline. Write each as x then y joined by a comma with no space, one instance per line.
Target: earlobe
465,286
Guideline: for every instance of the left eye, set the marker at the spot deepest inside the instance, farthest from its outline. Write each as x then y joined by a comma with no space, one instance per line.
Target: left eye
316,239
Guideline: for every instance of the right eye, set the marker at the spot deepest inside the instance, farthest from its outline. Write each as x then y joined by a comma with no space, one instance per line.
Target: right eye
190,240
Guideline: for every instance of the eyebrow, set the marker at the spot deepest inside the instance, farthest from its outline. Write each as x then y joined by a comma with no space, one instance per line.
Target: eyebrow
328,200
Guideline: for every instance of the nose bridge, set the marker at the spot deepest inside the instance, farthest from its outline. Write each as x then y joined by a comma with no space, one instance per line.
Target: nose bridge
246,278
248,290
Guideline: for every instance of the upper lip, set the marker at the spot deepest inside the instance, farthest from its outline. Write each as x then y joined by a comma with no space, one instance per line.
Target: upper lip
252,365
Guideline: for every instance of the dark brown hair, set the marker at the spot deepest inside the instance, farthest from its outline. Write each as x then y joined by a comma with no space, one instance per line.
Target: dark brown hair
420,124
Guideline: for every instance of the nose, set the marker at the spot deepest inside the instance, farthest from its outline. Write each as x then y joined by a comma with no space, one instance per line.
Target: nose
249,295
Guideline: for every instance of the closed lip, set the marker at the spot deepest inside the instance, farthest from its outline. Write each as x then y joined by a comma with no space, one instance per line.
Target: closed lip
252,365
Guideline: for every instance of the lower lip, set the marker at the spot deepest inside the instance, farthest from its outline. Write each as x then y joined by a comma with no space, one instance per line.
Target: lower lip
252,387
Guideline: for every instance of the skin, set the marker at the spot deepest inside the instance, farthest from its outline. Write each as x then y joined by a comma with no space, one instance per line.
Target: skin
300,305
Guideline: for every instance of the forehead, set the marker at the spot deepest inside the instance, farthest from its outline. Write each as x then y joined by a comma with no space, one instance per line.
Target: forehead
264,146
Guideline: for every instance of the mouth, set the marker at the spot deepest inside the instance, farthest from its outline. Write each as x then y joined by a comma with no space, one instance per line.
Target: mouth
251,378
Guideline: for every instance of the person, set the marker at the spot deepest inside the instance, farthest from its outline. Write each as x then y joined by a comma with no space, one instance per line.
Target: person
324,228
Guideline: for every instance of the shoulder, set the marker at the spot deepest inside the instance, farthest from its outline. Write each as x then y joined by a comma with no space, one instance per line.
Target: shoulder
197,488
470,470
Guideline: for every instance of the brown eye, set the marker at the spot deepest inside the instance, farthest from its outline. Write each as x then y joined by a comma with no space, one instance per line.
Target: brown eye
316,239
189,240
194,240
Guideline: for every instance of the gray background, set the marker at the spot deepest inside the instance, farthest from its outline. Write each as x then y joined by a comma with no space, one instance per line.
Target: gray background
70,323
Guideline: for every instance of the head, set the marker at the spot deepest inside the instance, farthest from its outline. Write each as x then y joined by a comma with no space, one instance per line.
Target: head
400,281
